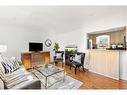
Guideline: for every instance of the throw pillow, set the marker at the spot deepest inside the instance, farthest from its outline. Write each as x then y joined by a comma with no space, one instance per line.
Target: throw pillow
77,58
59,55
17,62
10,65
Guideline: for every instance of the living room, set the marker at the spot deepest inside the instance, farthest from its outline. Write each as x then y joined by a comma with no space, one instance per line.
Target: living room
67,26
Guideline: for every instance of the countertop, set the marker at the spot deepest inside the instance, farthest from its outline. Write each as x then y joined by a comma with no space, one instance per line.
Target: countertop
107,49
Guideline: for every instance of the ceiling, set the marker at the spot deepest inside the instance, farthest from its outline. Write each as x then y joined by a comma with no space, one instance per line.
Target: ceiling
55,19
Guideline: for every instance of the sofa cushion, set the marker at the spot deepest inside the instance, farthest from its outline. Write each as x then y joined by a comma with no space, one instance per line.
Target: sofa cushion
16,81
1,84
2,75
2,71
17,77
19,72
1,67
31,84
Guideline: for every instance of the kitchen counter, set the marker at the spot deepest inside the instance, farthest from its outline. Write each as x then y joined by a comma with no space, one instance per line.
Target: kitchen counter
109,49
116,49
104,62
110,63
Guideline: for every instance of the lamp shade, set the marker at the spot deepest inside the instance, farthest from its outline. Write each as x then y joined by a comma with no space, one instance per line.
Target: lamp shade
3,48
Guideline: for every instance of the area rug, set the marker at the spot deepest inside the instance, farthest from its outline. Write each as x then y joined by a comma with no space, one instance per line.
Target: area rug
68,83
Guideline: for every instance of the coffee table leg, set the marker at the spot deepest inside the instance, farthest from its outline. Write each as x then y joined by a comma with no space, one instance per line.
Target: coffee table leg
64,76
46,83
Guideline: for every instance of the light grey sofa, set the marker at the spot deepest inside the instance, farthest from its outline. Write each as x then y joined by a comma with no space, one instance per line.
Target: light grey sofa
19,79
31,84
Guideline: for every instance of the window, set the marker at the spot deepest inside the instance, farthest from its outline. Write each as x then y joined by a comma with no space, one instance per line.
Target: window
103,41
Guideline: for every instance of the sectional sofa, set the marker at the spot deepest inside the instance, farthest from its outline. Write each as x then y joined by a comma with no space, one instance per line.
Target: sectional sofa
14,76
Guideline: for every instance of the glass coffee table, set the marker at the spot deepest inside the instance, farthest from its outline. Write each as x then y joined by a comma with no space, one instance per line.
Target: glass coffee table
49,74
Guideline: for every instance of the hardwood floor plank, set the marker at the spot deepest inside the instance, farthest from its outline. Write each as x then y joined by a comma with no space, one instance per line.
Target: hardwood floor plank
95,81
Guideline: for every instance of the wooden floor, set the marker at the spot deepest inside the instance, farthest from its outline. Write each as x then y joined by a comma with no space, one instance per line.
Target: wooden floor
94,81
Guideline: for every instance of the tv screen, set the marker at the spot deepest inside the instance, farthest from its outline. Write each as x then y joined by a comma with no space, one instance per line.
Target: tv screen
35,46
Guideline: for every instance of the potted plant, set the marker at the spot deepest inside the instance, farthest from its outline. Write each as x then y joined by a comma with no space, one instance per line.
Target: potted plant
46,65
56,47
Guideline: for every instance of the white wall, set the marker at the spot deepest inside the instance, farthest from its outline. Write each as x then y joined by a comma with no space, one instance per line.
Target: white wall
101,23
123,65
18,26
76,37
108,22
17,38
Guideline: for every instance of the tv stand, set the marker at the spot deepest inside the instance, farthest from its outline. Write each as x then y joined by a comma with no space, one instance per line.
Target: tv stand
31,59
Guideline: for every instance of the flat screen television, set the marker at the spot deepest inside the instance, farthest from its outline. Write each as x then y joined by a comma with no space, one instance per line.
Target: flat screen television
33,46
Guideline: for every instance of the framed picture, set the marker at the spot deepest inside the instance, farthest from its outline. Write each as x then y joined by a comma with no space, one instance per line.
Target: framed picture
103,41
